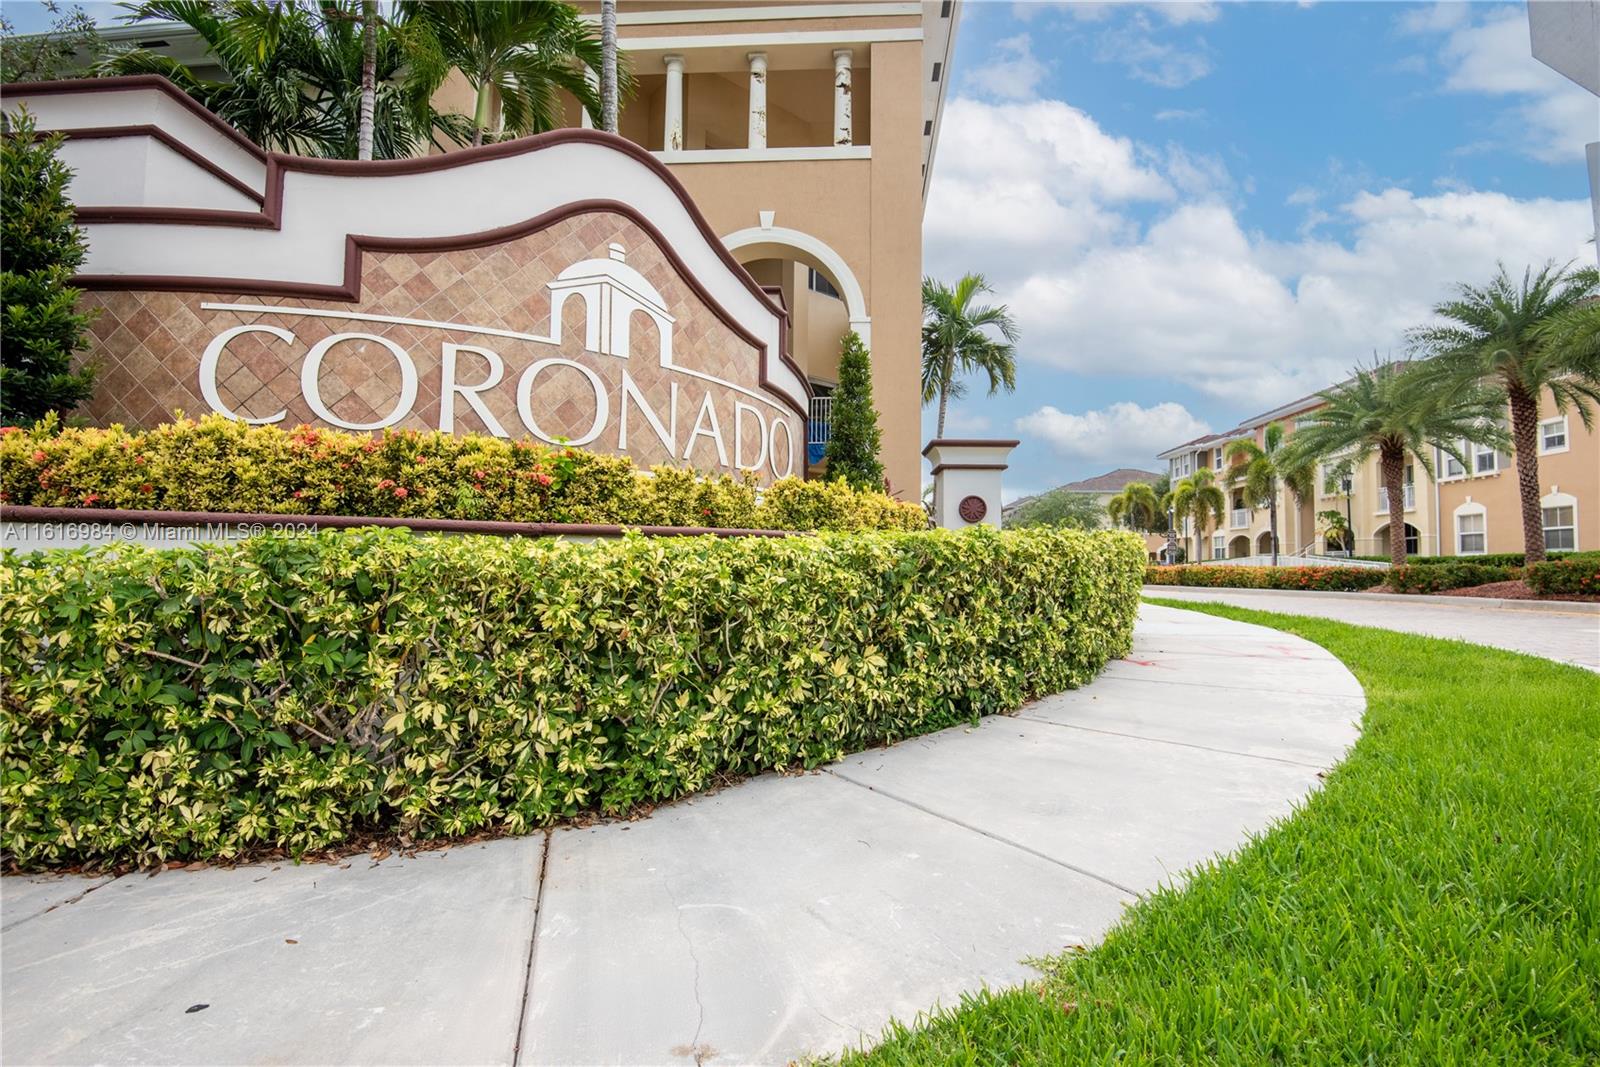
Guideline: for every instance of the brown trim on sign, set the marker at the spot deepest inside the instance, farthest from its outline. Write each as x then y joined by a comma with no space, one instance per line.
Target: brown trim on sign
969,442
29,513
969,467
271,216
155,133
133,82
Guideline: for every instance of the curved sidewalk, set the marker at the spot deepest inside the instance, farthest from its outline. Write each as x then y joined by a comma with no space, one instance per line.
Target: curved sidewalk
1541,629
779,917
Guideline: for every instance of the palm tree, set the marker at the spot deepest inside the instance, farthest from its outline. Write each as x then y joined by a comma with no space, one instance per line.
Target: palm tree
1262,468
1137,505
1527,339
293,76
608,65
1396,410
519,51
956,341
1197,497
369,76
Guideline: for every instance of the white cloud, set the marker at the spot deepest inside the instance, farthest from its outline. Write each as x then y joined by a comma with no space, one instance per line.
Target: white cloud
1014,73
1548,117
1181,114
1177,12
1051,208
958,423
1149,59
1123,433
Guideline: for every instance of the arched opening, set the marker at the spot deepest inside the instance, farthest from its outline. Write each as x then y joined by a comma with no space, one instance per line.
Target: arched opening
1239,547
1264,544
1413,540
824,302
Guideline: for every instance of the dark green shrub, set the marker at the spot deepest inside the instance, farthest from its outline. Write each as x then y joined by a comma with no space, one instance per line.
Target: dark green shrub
1579,574
1493,559
41,249
854,438
218,464
290,692
1336,579
1438,577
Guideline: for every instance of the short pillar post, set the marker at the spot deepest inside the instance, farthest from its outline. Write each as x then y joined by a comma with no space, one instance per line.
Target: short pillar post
672,137
843,131
758,99
966,480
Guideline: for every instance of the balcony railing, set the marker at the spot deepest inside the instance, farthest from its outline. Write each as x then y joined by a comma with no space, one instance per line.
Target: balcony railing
1239,519
819,428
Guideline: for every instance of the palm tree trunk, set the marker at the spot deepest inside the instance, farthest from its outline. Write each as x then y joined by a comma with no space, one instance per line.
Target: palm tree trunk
1524,440
1272,525
1392,463
480,115
608,65
944,393
369,77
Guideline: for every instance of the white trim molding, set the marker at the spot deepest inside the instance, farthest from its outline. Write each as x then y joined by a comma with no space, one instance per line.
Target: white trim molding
1557,499
1566,436
759,41
813,253
764,155
1470,509
776,13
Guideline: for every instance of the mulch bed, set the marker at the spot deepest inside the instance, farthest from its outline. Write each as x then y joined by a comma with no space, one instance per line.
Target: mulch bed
1518,590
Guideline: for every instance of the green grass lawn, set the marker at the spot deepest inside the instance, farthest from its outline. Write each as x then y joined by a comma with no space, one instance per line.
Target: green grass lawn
1436,902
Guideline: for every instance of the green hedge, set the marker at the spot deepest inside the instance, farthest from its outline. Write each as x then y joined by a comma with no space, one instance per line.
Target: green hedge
1580,574
1438,577
218,464
1340,579
290,692
1493,559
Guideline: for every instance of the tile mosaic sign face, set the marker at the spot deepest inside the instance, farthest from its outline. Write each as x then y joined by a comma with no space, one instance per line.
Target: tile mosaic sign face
583,332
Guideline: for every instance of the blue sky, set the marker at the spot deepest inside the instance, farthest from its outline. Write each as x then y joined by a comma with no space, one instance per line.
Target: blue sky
1199,211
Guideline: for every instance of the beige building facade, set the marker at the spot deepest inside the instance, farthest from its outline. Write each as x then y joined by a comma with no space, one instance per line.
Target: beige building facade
1468,510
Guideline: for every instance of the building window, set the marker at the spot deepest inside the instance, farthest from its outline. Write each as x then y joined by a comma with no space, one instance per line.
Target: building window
1219,547
1561,528
817,283
1452,465
1471,539
1553,435
927,128
1484,460
1217,460
938,69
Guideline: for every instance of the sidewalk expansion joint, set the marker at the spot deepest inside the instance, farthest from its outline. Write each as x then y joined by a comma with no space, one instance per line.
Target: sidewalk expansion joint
1169,741
990,834
62,904
533,941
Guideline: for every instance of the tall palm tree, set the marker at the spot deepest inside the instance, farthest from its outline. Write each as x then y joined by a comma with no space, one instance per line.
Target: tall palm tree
519,52
956,341
1197,498
1512,335
1262,469
1137,506
293,76
608,65
1396,411
369,77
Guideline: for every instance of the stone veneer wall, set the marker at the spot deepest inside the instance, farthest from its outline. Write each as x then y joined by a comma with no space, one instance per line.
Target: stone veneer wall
149,346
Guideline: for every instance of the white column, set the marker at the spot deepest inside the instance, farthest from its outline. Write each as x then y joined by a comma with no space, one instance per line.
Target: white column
758,99
842,131
673,136
583,113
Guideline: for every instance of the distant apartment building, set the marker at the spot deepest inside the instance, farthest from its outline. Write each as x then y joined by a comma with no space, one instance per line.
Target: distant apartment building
1469,509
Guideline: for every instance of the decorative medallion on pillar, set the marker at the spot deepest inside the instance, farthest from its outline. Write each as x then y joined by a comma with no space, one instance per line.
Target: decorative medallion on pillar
672,137
758,99
966,480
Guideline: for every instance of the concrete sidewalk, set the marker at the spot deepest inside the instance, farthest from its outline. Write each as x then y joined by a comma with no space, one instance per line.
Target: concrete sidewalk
1541,628
780,917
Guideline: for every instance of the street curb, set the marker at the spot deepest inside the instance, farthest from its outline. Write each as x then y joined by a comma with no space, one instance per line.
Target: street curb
1562,607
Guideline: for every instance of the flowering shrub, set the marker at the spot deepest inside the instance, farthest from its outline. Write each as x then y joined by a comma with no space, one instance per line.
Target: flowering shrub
288,692
1341,579
1580,574
1438,577
217,464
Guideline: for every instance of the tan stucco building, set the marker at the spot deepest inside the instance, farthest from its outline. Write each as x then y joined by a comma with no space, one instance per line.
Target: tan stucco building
1466,511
